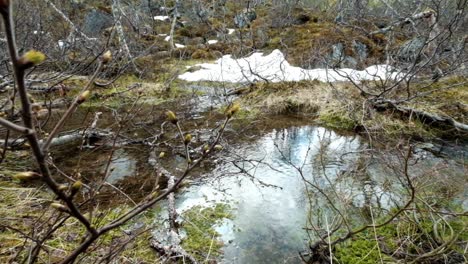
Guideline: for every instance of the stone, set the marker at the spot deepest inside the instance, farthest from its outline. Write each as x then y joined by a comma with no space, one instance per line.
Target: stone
338,58
195,41
360,50
96,21
245,18
410,50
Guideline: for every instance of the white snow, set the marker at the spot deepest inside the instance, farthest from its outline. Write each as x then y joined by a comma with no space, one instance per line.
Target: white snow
61,44
167,38
162,35
213,41
179,45
161,18
275,68
231,30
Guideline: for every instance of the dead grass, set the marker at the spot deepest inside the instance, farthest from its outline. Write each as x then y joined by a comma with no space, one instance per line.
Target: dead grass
340,106
25,210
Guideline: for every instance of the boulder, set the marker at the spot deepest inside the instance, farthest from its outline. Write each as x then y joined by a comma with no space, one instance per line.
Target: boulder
410,50
360,50
301,19
96,21
339,59
195,41
245,18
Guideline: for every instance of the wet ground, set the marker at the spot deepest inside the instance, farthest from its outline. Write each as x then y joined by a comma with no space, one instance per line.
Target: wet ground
273,173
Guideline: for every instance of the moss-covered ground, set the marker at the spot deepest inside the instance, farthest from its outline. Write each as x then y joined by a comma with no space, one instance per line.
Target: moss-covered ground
202,239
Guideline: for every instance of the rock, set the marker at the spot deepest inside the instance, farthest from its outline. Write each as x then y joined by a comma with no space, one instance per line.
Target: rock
301,19
337,53
145,30
339,59
360,50
149,6
217,54
96,21
409,51
245,18
162,55
195,41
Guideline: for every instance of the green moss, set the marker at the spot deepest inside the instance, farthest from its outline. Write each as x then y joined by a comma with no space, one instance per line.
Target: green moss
199,224
313,39
337,120
415,233
443,100
362,249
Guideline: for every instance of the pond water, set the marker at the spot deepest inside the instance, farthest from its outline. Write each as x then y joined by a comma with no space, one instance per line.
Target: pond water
268,184
271,183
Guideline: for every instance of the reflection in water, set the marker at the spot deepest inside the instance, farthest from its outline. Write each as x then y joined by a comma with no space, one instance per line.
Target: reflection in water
122,165
272,186
269,221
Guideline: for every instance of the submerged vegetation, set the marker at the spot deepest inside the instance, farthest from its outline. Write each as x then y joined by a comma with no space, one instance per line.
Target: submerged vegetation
199,223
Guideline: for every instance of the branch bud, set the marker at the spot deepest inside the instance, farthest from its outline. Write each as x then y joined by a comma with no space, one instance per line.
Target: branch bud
59,207
106,57
171,117
83,97
32,58
27,176
187,139
233,109
75,187
206,148
218,147
162,154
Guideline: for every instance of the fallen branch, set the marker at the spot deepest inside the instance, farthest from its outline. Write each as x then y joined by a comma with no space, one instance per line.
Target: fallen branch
168,242
423,116
63,139
421,15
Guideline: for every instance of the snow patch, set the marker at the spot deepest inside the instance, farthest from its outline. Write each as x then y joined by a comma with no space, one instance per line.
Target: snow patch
62,44
179,45
275,68
231,30
167,38
161,18
213,41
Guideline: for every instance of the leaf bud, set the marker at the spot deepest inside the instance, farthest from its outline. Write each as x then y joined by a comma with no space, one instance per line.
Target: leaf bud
233,109
32,58
206,148
60,207
106,57
76,187
27,176
83,97
218,147
187,139
171,117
